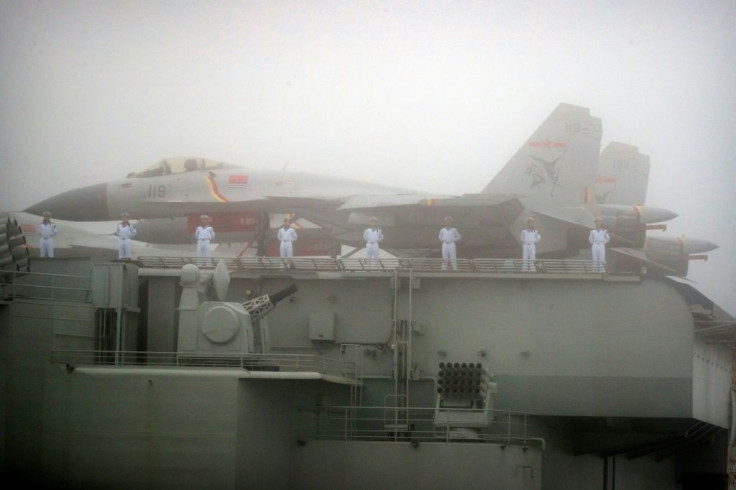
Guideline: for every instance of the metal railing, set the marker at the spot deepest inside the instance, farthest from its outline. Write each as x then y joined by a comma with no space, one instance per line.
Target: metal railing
45,286
291,363
324,264
373,424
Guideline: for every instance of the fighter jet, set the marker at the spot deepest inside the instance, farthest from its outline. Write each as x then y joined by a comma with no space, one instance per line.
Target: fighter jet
547,179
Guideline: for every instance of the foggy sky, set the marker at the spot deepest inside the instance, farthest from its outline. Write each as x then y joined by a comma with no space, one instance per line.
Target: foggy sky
435,96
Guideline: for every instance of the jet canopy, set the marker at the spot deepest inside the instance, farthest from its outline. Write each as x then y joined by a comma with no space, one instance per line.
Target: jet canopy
180,165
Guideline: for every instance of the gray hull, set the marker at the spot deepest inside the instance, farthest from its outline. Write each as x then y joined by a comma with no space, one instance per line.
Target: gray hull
599,380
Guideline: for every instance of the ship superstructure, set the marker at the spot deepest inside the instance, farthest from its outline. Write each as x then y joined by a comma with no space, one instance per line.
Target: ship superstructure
323,373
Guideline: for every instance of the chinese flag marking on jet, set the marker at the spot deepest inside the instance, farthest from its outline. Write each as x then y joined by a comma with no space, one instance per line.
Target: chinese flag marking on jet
237,181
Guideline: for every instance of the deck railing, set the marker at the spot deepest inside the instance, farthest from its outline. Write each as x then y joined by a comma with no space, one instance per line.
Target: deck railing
291,363
410,424
44,286
324,264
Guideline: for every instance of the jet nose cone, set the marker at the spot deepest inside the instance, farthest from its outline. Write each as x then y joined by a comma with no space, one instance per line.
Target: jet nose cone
656,215
85,204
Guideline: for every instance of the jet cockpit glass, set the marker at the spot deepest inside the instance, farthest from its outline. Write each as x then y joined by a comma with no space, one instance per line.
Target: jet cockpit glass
171,166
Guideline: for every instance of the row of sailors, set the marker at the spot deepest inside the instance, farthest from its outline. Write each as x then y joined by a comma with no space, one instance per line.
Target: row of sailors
125,232
529,238
448,236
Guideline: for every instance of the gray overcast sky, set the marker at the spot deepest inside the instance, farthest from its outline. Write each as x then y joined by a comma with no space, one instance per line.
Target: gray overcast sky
431,95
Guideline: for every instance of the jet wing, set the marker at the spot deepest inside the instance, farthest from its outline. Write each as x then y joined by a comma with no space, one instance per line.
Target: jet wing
364,203
106,246
574,223
576,217
252,203
104,242
419,215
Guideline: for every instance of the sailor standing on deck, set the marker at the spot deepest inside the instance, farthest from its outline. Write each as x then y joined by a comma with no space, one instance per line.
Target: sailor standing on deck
529,238
598,239
47,230
372,236
448,236
287,237
125,231
204,233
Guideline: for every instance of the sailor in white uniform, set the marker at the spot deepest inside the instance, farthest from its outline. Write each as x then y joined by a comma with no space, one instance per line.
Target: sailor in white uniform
598,239
47,230
449,236
529,238
372,236
287,236
204,234
125,231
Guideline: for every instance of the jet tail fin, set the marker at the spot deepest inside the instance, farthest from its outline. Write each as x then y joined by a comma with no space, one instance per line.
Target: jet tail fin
555,165
623,175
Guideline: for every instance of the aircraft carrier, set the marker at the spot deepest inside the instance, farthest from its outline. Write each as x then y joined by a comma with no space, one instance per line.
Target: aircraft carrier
313,373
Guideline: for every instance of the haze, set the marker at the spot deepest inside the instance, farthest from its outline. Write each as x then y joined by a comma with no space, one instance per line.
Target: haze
431,95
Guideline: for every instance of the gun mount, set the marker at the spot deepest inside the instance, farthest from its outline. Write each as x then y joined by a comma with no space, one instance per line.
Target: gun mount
221,327
262,305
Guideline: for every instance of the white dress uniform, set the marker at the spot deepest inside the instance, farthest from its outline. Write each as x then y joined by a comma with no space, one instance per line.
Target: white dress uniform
598,239
372,237
204,234
529,239
287,237
47,232
125,232
448,236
